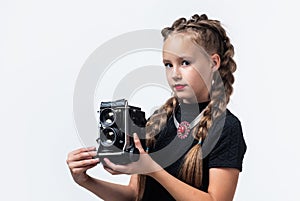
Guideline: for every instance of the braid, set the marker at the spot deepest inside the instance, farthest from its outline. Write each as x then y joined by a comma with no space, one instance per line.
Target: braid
227,68
191,168
158,120
155,124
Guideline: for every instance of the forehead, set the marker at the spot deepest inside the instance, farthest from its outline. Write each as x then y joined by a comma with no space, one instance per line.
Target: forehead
182,44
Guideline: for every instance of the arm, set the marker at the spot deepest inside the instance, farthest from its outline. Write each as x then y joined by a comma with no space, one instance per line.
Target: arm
222,181
222,185
79,161
110,191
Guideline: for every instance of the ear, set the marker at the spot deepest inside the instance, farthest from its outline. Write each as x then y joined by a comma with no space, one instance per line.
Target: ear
216,62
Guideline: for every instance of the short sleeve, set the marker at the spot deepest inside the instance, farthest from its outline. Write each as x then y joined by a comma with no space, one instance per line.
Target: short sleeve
230,149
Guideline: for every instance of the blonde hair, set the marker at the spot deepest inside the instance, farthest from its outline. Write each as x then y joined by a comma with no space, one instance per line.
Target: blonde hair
210,35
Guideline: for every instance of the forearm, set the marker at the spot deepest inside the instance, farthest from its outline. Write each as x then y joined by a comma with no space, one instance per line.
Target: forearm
178,189
110,191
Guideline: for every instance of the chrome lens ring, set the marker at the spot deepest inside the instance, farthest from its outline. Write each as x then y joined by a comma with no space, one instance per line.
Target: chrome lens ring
108,137
107,117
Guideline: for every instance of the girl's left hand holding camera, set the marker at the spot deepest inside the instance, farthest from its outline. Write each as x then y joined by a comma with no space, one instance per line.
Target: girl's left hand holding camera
145,165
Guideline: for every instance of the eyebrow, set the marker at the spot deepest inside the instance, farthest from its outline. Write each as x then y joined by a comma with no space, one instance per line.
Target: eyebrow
177,57
166,61
185,57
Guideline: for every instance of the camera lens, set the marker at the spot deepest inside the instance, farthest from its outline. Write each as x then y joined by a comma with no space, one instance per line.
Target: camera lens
107,117
108,137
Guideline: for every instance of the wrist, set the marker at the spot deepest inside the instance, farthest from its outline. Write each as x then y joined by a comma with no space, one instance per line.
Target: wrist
84,180
155,174
155,168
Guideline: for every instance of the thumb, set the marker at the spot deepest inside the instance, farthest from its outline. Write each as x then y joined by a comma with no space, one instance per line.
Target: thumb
137,143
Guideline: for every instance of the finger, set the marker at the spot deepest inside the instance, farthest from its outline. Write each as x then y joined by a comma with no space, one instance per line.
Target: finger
111,171
84,155
82,169
114,167
78,151
83,163
84,149
137,143
81,156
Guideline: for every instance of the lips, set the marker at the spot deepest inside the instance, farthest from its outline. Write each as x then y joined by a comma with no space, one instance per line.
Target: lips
179,87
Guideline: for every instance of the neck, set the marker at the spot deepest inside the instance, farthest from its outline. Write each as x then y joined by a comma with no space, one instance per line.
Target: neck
187,112
194,102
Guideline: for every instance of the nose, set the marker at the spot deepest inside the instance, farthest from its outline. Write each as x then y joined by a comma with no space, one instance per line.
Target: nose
176,73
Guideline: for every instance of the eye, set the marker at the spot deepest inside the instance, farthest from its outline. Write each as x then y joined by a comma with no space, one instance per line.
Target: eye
185,63
168,65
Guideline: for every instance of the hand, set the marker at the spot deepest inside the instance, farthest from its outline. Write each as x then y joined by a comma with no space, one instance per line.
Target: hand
145,165
79,161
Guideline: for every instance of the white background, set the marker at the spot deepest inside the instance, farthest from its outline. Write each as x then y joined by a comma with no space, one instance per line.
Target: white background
43,45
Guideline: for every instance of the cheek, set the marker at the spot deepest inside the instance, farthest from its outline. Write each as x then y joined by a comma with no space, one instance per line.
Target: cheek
203,76
168,77
197,82
194,75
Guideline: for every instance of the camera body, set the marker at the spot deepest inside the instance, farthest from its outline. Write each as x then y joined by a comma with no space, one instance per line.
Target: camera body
117,123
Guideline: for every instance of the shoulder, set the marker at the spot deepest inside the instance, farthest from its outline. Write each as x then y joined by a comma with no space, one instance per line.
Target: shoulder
229,146
231,121
231,133
225,127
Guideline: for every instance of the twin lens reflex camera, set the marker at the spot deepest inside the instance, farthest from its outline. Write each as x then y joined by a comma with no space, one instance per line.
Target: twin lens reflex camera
117,123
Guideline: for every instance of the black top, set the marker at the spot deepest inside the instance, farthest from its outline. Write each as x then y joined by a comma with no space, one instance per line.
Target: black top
225,149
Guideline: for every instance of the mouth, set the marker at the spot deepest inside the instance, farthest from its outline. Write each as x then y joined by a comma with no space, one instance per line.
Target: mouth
179,87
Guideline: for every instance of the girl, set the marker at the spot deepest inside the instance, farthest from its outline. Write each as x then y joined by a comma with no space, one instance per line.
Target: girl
194,145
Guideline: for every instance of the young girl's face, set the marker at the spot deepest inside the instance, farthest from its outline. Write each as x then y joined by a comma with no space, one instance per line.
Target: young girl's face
188,68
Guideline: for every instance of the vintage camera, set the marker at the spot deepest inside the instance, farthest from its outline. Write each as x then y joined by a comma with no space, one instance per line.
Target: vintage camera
117,123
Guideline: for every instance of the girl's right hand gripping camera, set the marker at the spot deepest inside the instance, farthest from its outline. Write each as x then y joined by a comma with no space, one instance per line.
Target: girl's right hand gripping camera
117,123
